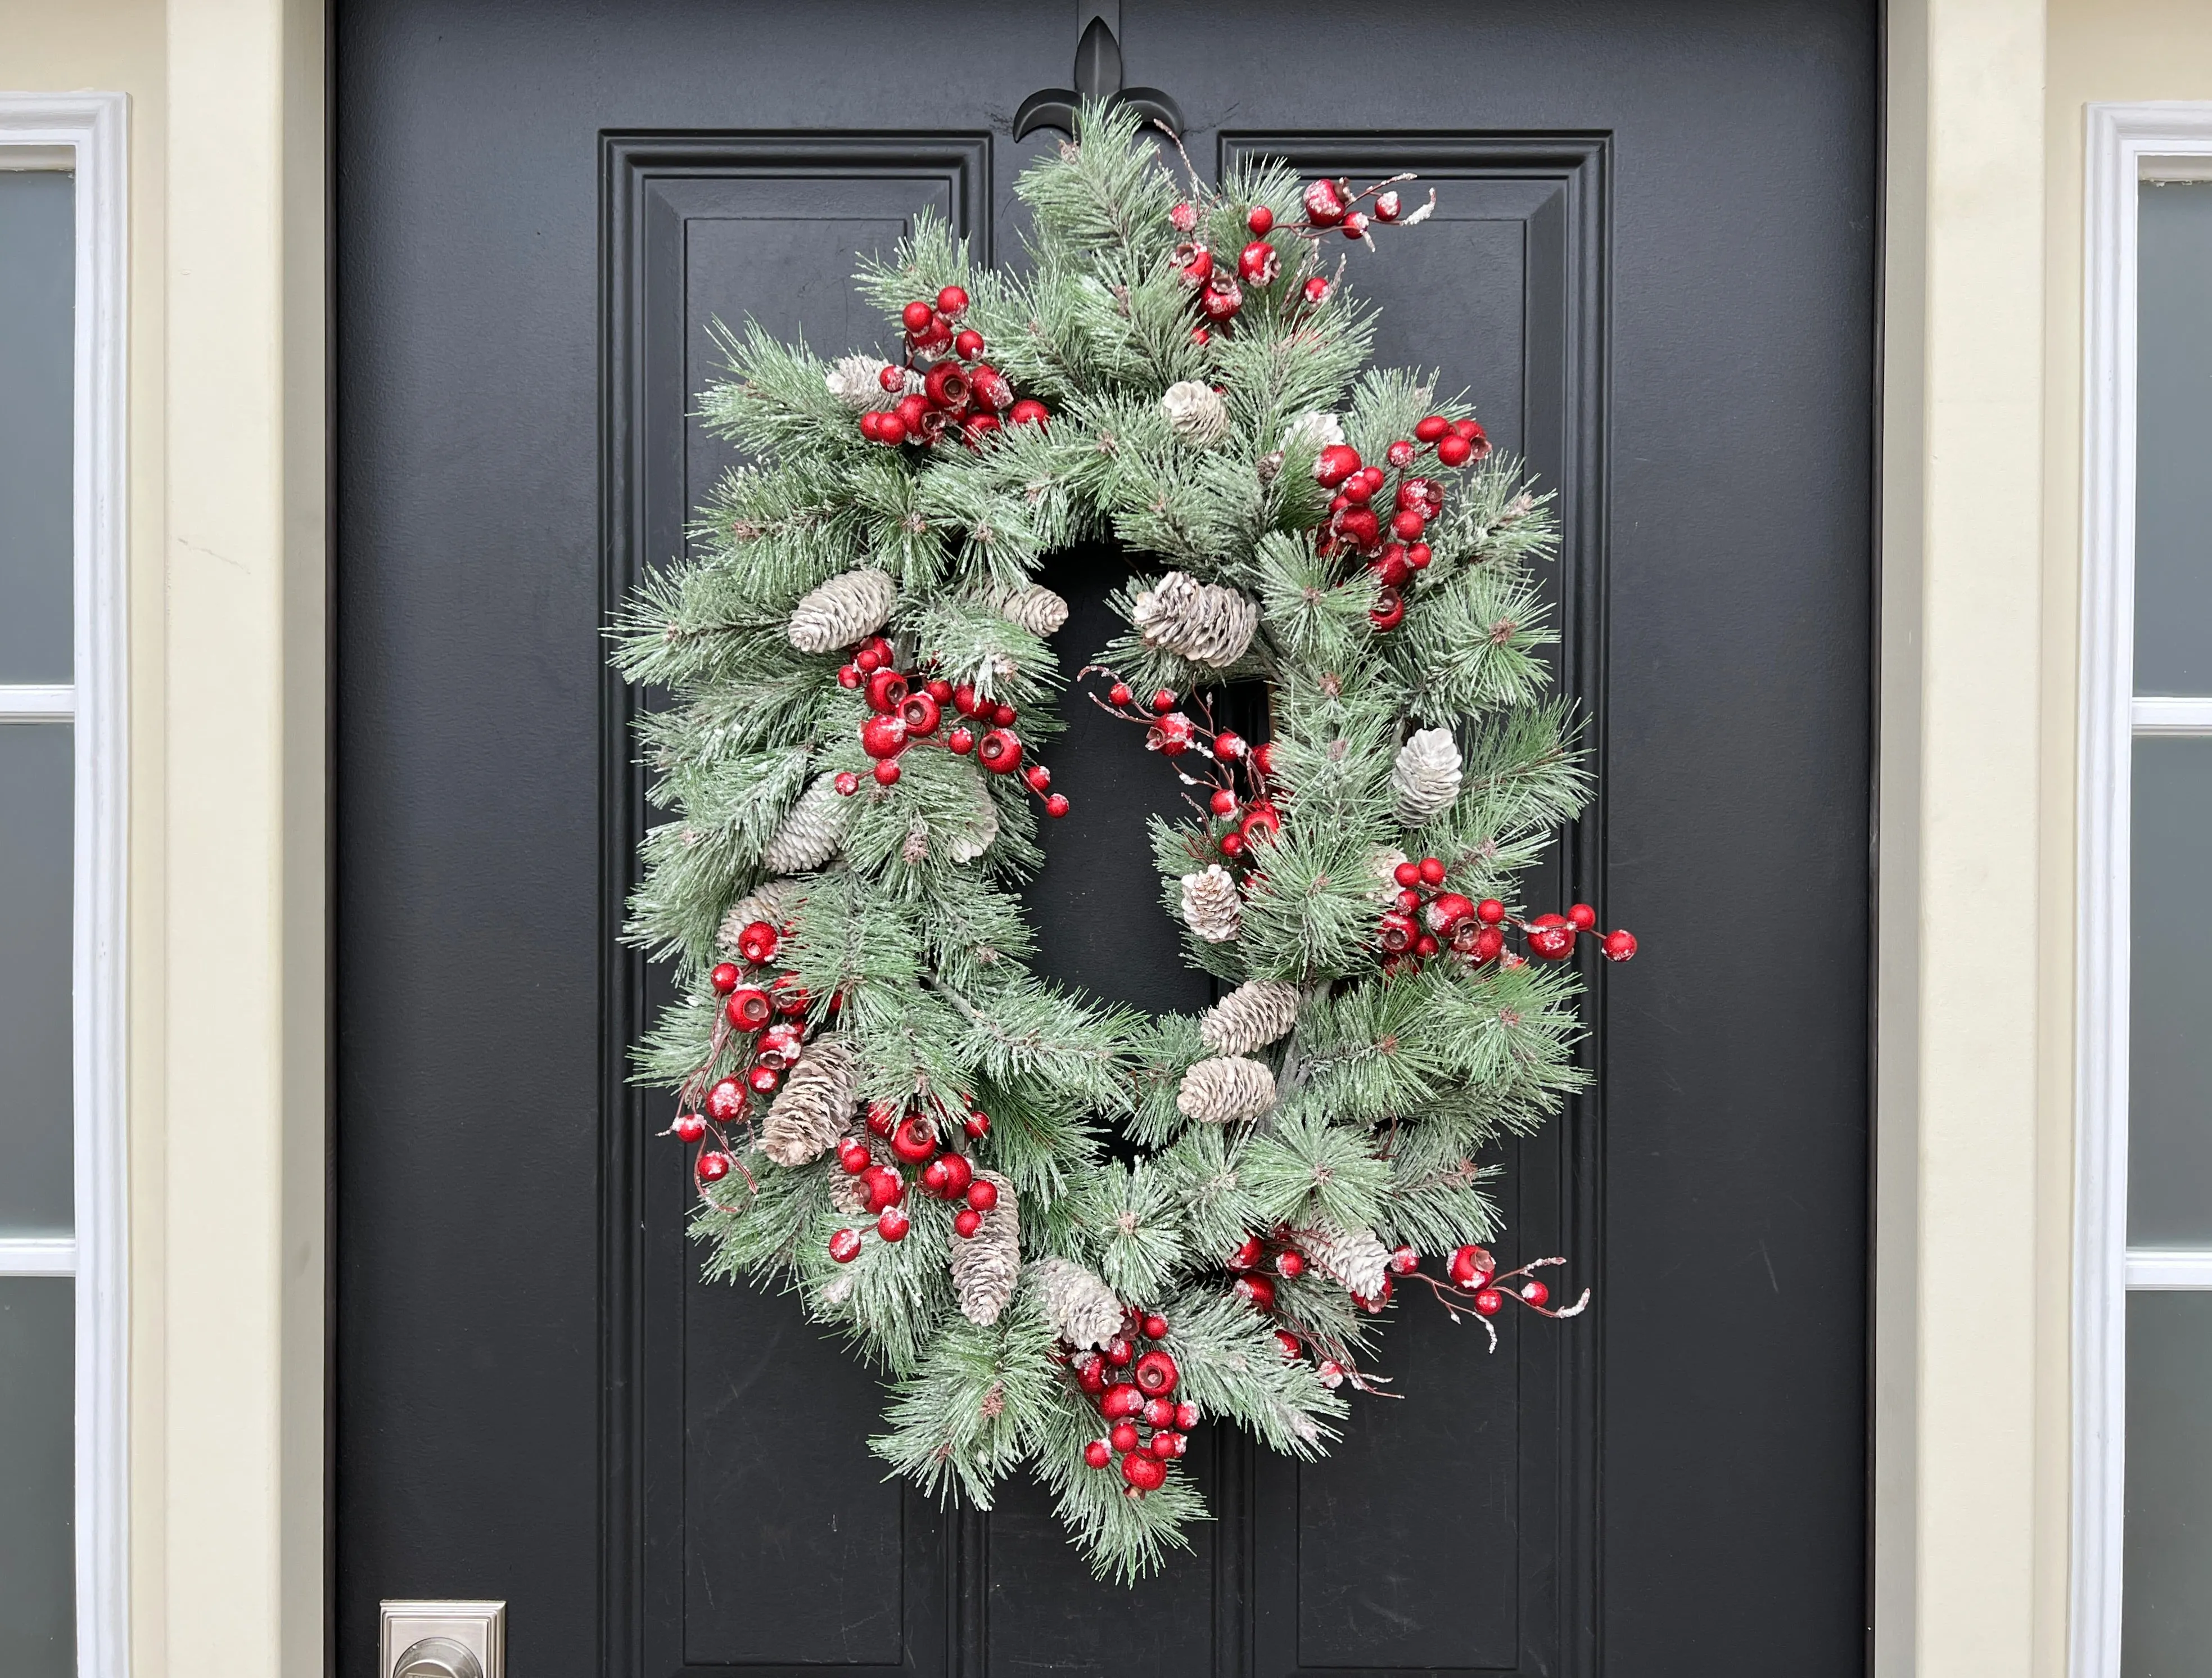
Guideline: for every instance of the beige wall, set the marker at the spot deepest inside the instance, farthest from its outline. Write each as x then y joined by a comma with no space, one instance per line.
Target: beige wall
2100,51
1980,540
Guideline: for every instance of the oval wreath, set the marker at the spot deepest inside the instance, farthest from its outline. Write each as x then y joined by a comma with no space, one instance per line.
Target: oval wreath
1067,1232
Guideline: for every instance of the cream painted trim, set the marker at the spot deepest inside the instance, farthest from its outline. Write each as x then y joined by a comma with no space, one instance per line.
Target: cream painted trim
92,128
2127,144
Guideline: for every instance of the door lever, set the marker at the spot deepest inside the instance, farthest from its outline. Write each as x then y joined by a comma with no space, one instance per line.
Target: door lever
1097,77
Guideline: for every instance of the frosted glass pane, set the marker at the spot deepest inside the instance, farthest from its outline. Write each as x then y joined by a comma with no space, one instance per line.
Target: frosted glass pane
38,282
2166,1608
2170,1060
2173,438
36,866
38,1611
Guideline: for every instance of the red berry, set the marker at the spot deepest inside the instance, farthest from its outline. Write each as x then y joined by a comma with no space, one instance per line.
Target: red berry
852,1156
1119,694
1228,746
1004,715
883,1118
892,1223
1389,611
724,978
1316,289
763,1079
713,1167
1582,917
982,1194
1490,911
1232,844
1387,207
1329,1372
688,1127
1454,450
1551,937
1159,1413
952,301
1246,1256
726,1101
935,1177
1145,1473
1124,1436
1408,900
977,1124
998,751
886,689
1432,871
1446,910
1404,1261
1259,263
958,1174
1156,1327
1417,555
1163,701
965,1223
1257,1292
914,1140
1028,412
1397,931
1618,945
1407,526
1435,426
1487,944
1355,224
1167,1445
1334,464
757,942
920,714
1427,945
882,737
1489,1301
1156,1373
872,425
1470,1266
1261,221
845,1246
917,317
1098,1453
749,1009
1183,216
892,379
846,784
1535,1292
961,741
1406,873
1400,454
1186,1415
886,772
1289,1264
1121,1399
968,345
1287,1343
940,689
1324,202
1038,777
1090,1371
1056,805
848,676
1477,440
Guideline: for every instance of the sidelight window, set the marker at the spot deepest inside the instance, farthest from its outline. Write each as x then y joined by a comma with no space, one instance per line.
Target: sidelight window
2143,1350
62,1322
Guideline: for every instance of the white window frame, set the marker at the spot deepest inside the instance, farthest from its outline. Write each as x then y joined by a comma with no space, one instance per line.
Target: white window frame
87,134
2127,145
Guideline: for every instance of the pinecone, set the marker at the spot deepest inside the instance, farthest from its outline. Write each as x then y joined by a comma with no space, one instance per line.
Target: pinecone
1080,1308
1225,1090
1035,607
1425,778
806,837
774,901
1250,1017
1203,622
1195,412
987,1264
968,846
848,608
914,849
1211,907
856,380
1312,432
810,1110
1352,1257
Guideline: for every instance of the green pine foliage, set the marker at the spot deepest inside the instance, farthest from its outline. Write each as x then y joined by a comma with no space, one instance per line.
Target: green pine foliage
908,945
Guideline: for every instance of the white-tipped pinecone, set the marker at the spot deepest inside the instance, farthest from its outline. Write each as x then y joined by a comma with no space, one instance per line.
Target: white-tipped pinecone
1312,432
1425,778
1385,860
856,380
1225,1090
1200,620
1250,1017
1353,1258
774,901
987,1264
1080,1308
968,846
1212,906
1035,607
810,1110
848,608
1195,412
806,837
838,1289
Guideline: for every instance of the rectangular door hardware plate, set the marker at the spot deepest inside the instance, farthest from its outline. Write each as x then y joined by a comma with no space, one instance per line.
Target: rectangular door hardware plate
428,1636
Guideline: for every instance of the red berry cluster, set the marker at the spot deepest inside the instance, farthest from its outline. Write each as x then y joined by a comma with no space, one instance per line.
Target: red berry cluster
906,710
959,391
1233,771
1332,205
1425,918
1259,1262
909,1150
1133,1385
1369,519
1474,1280
759,1035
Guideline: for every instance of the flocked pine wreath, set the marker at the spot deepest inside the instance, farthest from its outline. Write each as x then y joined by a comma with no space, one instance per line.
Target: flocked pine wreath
887,1109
